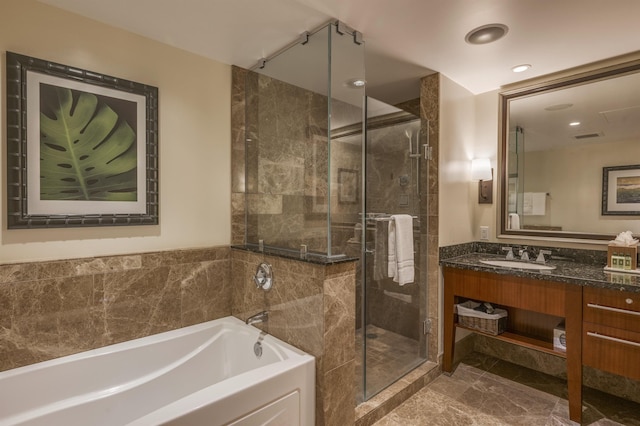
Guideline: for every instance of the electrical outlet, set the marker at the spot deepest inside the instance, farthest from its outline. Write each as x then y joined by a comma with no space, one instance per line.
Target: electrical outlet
484,232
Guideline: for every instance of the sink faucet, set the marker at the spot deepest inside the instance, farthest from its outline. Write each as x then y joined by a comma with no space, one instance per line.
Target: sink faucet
259,317
541,254
524,254
509,251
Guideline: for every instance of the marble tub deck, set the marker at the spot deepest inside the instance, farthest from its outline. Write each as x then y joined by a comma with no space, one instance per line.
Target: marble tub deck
486,391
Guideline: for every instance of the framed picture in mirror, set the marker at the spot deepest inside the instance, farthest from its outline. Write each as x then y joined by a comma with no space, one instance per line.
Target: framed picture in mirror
621,190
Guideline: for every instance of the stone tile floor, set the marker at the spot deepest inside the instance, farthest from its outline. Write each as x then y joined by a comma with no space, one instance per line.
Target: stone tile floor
389,356
486,391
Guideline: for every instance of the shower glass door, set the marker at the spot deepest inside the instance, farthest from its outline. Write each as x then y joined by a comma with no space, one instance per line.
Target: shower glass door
389,331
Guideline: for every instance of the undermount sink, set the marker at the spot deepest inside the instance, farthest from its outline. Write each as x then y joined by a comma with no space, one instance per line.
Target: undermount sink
517,265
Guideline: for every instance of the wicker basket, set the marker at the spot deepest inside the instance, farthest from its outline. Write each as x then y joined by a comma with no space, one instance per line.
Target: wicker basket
494,323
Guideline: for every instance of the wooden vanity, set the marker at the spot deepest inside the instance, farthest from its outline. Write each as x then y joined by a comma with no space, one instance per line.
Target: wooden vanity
611,331
535,307
602,325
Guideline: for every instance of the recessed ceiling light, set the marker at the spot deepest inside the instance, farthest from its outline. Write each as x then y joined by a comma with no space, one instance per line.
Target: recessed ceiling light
486,34
521,68
574,123
356,83
558,107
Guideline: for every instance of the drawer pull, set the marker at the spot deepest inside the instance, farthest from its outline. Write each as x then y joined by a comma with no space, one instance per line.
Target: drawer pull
629,301
609,308
613,339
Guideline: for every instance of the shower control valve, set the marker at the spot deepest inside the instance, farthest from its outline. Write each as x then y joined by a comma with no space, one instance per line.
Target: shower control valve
264,276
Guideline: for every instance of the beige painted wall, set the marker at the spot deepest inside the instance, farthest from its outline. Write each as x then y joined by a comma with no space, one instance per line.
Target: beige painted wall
457,148
578,207
194,119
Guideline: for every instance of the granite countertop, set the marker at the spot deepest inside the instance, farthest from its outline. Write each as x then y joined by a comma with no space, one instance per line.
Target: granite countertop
566,271
317,258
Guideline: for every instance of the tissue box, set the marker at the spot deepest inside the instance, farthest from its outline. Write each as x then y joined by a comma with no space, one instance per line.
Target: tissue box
559,338
623,251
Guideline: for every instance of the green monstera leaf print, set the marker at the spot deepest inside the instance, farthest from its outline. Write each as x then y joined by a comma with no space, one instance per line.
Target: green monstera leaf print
87,151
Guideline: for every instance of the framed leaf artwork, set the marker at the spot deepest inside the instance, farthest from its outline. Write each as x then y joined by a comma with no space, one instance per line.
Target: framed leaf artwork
82,147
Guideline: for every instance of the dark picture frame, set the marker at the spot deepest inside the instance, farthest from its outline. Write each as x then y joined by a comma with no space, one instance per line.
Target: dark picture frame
621,190
348,186
82,147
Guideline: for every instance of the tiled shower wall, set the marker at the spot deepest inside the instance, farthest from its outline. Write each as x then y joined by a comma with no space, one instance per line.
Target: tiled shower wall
286,158
57,308
312,307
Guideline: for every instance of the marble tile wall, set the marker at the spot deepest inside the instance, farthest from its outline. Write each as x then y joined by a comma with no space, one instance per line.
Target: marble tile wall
428,108
430,114
286,154
312,307
556,366
57,308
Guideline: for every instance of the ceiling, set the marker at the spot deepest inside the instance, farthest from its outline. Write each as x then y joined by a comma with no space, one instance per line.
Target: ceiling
405,39
602,111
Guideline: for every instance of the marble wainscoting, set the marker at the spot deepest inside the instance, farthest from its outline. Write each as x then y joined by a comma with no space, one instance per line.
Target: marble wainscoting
311,306
555,366
57,308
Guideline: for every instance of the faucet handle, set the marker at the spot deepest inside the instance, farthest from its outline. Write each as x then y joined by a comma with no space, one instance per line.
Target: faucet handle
509,251
541,254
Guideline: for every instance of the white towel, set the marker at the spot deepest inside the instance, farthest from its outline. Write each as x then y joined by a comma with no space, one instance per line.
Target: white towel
401,266
534,204
514,221
380,257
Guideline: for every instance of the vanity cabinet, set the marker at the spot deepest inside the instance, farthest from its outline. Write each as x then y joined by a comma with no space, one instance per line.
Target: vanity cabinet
611,331
535,307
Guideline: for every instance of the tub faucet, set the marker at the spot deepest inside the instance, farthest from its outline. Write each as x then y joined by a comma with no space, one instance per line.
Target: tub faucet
259,317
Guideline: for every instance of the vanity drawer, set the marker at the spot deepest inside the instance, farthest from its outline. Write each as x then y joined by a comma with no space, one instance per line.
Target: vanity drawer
611,349
620,309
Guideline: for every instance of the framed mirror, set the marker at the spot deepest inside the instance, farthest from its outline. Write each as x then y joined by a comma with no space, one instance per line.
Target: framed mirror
570,156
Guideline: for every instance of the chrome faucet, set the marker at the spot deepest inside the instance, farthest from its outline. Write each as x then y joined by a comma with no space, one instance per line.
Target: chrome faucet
541,253
259,317
524,254
509,251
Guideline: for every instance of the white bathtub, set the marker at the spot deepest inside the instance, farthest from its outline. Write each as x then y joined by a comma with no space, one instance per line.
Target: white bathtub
206,374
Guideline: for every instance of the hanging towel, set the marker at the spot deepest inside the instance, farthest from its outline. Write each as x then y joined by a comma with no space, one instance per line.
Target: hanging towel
380,255
534,203
401,266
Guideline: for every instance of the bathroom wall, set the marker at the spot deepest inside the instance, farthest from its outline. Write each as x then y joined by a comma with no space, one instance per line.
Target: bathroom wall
458,195
311,306
57,308
288,178
194,131
584,163
287,164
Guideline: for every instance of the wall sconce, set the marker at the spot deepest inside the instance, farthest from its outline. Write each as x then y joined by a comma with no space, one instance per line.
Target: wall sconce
481,171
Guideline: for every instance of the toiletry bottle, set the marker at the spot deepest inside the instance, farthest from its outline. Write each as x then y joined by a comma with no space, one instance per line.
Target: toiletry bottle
614,260
627,261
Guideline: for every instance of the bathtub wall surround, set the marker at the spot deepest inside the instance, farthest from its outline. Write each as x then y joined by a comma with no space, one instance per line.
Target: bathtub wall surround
57,308
312,307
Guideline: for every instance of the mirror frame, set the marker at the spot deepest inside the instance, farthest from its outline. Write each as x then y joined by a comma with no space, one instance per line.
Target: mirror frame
600,71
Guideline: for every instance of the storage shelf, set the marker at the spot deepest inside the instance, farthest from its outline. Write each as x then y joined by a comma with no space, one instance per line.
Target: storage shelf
528,342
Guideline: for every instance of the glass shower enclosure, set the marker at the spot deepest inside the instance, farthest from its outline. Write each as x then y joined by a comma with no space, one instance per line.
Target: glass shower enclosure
326,170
